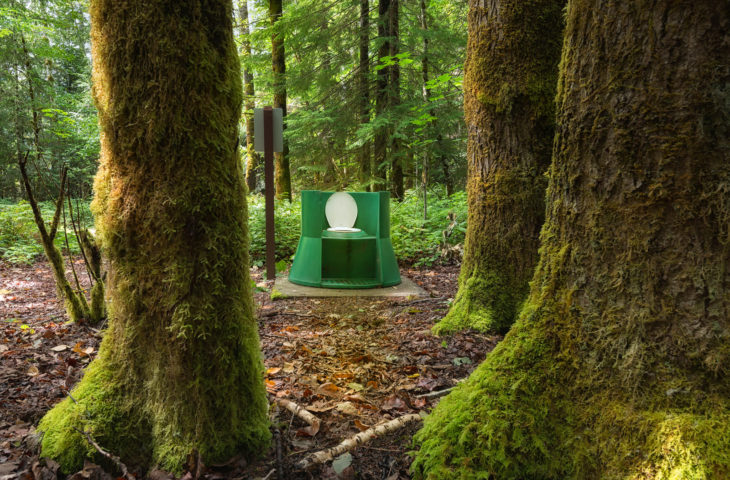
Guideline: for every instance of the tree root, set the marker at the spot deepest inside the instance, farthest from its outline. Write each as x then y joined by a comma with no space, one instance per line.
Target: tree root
121,466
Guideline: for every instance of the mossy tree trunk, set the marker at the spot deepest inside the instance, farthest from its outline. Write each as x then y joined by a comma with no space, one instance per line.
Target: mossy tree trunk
282,172
509,89
179,370
617,367
252,156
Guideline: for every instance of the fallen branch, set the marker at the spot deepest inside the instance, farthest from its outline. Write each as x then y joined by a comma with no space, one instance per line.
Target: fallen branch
121,466
302,413
359,439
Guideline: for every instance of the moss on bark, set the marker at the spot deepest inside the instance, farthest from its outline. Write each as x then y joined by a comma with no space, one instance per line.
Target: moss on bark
509,90
617,367
179,369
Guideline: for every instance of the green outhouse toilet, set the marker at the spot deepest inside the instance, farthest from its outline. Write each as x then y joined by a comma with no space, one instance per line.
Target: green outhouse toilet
345,241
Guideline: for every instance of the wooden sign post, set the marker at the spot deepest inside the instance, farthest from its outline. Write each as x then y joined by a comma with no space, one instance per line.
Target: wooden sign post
269,138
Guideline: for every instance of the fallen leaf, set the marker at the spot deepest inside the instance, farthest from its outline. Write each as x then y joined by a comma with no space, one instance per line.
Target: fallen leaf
394,402
329,388
33,371
355,386
320,407
273,370
360,426
60,348
288,367
347,408
342,462
462,361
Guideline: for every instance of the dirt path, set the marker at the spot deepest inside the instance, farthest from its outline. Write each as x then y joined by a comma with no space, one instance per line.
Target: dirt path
352,362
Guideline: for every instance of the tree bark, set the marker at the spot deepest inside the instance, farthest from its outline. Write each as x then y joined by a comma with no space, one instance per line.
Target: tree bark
282,173
426,100
618,364
252,157
380,141
179,370
509,89
364,158
396,148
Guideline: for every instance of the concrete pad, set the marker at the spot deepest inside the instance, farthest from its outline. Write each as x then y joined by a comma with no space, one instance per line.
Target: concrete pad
407,288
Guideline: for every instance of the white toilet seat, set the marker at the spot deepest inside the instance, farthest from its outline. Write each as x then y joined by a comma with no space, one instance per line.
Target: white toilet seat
341,213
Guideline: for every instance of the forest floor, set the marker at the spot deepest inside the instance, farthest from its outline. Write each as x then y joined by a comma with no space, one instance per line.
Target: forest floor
353,362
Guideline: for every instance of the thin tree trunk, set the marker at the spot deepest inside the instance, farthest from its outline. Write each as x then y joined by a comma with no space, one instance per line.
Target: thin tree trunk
252,157
282,174
364,158
618,365
179,372
394,100
509,110
380,147
426,99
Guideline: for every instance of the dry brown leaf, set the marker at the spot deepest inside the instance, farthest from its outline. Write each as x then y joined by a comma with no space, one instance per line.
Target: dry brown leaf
361,426
347,408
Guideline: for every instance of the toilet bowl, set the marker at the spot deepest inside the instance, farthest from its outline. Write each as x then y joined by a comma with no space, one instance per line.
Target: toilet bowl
341,213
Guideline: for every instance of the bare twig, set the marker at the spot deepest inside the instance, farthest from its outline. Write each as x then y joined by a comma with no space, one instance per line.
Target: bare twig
436,394
70,257
423,300
77,232
121,466
268,475
352,442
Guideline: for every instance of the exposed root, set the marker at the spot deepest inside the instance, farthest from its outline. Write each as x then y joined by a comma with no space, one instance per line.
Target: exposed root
120,465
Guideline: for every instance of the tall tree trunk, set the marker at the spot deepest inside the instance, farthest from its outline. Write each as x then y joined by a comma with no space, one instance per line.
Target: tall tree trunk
282,174
396,148
509,110
252,163
179,371
426,99
380,141
618,365
364,158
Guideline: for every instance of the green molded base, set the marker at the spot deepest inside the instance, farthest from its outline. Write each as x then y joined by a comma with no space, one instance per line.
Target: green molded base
344,260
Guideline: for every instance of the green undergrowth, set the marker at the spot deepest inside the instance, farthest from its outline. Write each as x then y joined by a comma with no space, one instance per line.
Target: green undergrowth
485,302
19,239
415,240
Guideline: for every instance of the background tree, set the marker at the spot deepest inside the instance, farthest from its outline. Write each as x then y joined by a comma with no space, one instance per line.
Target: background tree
328,128
365,159
179,370
618,364
282,173
252,157
43,47
509,89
